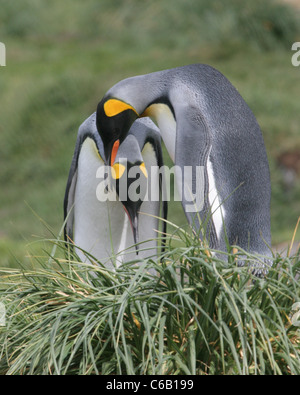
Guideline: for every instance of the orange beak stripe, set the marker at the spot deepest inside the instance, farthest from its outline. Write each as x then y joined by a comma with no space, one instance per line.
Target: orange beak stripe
114,152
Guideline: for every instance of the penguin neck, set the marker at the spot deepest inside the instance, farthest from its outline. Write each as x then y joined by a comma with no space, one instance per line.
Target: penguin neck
163,116
149,96
141,91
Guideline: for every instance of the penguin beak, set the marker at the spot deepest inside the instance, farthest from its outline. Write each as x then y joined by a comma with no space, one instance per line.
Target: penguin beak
132,213
114,152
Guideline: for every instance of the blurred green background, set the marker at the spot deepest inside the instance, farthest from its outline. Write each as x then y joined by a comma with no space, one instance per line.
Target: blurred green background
62,56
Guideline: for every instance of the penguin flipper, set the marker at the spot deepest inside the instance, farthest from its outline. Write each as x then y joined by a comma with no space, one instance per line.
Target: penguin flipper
193,145
163,200
70,198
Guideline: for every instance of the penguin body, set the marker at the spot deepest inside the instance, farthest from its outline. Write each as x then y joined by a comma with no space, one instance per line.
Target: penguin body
95,217
206,123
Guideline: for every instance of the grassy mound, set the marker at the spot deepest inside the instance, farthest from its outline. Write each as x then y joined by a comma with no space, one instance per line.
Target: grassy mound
197,315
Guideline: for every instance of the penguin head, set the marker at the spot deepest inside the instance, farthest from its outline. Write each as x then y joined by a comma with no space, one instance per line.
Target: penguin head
130,179
113,119
131,183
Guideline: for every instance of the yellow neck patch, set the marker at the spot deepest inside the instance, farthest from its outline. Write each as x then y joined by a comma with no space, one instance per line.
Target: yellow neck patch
114,107
143,169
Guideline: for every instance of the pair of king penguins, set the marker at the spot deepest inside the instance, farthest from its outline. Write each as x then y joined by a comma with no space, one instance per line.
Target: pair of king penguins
102,220
204,123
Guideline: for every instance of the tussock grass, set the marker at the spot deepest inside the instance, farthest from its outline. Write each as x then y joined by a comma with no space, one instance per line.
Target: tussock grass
197,315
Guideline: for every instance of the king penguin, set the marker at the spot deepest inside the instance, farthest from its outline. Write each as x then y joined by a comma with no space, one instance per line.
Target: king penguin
205,124
101,220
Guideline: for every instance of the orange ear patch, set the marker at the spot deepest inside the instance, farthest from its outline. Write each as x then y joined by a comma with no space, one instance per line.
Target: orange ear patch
118,171
114,107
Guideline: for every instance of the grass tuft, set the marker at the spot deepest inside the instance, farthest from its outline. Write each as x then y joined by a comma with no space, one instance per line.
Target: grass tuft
197,315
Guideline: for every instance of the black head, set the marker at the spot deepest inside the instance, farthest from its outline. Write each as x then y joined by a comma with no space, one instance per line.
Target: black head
114,119
131,183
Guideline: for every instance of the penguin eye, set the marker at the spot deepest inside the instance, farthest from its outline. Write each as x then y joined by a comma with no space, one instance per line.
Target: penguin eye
117,171
143,169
